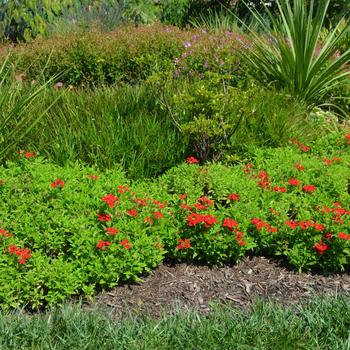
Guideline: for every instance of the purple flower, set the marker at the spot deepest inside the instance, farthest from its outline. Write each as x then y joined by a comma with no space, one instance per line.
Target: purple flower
187,44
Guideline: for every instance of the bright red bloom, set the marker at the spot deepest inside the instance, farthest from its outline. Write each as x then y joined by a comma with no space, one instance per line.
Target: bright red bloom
126,244
123,188
233,197
279,189
185,206
200,206
328,235
141,201
23,254
343,235
347,138
183,196
102,245
4,233
158,215
319,227
132,212
209,220
327,161
30,155
183,244
320,247
247,168
239,235
299,166
309,188
241,243
205,200
306,224
230,224
111,231
57,183
148,220
110,199
294,182
194,219
192,160
104,217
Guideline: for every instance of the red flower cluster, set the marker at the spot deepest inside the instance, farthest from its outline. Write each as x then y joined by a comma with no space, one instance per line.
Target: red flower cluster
294,182
192,160
110,199
343,235
233,197
347,138
4,233
185,206
102,245
279,189
320,247
230,224
125,243
132,212
158,215
259,224
195,219
22,253
104,217
304,225
248,168
302,147
264,180
183,244
141,201
123,188
112,231
338,212
299,166
57,183
205,200
309,188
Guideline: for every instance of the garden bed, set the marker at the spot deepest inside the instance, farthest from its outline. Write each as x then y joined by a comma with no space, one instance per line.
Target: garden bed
187,286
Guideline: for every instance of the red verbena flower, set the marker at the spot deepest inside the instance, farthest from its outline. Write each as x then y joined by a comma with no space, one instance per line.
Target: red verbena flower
148,220
205,200
327,161
185,206
328,235
194,219
110,199
343,235
123,188
183,244
209,220
29,155
233,197
192,160
299,166
347,138
320,247
132,212
102,245
309,188
183,196
57,183
158,215
111,231
230,224
279,189
294,182
200,206
126,244
104,217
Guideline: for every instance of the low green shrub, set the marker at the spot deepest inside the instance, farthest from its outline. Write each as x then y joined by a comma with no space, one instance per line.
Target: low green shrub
71,231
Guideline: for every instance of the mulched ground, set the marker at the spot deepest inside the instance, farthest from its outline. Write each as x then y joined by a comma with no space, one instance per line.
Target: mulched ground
171,287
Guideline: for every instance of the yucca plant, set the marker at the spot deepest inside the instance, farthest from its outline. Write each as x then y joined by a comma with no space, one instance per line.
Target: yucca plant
17,109
290,54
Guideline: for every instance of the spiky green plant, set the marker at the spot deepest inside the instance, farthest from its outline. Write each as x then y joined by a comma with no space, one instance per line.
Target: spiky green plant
17,105
291,55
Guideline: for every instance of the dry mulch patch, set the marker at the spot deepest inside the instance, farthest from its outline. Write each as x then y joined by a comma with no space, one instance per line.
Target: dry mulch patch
184,286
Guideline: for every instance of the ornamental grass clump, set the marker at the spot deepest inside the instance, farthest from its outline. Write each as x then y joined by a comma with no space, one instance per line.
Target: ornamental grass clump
291,55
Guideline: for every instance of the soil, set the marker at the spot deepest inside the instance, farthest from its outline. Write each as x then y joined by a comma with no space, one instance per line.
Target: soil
171,287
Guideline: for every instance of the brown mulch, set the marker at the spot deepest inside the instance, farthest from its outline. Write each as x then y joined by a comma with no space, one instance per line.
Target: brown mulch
184,286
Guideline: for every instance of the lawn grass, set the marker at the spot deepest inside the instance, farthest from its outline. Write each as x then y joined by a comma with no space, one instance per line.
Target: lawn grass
323,323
